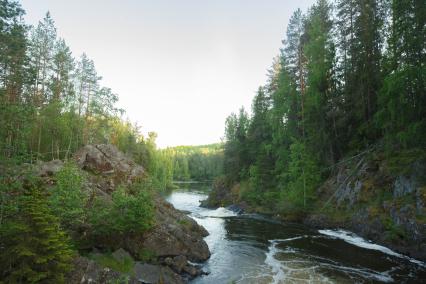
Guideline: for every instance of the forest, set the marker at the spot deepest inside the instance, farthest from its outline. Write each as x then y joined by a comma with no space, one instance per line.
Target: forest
199,163
348,82
350,78
51,105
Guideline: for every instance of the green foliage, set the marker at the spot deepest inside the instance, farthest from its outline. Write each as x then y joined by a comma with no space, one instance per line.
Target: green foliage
394,232
33,247
130,211
402,111
303,177
146,255
339,85
199,163
124,265
401,162
68,199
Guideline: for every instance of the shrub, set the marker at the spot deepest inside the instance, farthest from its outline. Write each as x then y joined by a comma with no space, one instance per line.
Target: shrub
67,198
129,211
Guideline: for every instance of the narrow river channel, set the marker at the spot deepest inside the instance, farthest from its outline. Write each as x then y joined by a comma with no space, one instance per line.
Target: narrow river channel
249,248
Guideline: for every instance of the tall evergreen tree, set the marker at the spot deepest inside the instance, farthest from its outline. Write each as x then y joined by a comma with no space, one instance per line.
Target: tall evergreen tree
361,25
320,107
34,249
43,39
402,101
295,64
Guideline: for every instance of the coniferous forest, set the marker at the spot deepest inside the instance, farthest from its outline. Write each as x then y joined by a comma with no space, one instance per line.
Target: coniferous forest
335,138
349,79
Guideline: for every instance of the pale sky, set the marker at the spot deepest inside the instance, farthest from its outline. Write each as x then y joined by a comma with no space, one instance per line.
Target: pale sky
180,67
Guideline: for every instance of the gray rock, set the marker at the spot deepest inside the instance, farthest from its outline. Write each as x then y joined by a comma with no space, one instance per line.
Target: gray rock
88,271
107,160
168,261
175,234
45,169
148,273
121,255
404,185
191,270
179,263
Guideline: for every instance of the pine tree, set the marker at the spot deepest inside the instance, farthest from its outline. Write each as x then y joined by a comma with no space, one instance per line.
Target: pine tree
41,47
294,61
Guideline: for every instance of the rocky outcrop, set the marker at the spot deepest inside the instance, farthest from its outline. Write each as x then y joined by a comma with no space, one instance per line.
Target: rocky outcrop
174,235
149,273
107,161
88,271
379,204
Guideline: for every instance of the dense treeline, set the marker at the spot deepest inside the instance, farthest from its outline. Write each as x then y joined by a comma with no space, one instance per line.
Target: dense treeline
199,163
51,104
350,76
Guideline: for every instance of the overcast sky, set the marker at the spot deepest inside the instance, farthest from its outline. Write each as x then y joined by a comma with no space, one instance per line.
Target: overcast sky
180,67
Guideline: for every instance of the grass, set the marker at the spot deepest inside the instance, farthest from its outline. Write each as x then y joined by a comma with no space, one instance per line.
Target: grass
146,255
107,260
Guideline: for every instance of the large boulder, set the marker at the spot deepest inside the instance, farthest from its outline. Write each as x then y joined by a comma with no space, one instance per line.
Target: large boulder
46,169
107,160
153,274
175,234
88,271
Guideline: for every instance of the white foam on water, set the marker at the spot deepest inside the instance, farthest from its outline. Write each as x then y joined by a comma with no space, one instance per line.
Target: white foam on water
284,271
274,264
219,213
280,272
356,240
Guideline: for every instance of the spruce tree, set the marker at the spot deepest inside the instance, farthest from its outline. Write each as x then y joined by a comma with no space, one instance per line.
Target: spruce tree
320,105
402,100
34,249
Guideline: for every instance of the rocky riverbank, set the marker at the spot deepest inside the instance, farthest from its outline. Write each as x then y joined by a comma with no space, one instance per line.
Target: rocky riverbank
368,195
163,254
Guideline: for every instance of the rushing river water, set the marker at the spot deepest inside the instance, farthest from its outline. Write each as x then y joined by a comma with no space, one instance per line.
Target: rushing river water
250,248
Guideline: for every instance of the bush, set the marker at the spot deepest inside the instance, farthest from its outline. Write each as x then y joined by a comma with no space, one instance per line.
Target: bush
129,211
67,199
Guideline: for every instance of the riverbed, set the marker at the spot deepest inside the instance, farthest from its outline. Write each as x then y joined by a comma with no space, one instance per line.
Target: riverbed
251,248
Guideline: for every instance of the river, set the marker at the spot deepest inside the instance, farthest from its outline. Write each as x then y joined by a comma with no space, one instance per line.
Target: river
250,248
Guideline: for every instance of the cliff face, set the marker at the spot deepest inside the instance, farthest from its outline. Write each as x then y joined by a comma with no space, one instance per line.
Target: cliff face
175,238
370,198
